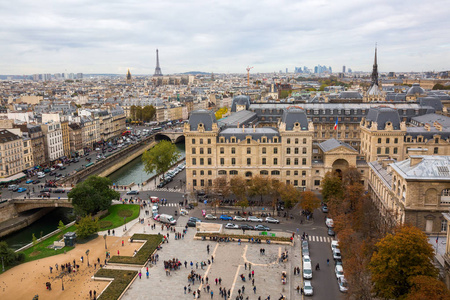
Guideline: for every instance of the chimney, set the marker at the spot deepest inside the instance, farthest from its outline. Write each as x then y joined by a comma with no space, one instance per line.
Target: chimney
243,128
386,162
254,128
415,159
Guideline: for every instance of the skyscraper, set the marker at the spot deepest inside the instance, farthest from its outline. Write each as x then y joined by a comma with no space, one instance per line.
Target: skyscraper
157,69
343,69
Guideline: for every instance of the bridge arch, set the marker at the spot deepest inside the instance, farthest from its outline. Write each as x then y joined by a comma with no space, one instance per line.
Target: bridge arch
162,137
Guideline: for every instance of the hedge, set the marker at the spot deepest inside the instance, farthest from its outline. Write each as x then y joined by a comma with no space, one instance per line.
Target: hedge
244,237
122,279
153,241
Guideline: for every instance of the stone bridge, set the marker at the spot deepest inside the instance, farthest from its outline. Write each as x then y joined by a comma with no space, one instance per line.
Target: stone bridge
13,208
175,136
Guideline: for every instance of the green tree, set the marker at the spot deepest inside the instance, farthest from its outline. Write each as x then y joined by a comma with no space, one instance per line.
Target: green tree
290,195
397,259
332,186
284,94
92,195
87,226
10,258
148,112
138,115
160,158
61,226
438,86
33,239
133,112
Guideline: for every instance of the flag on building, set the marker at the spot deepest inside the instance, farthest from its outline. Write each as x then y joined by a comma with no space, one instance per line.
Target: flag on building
336,124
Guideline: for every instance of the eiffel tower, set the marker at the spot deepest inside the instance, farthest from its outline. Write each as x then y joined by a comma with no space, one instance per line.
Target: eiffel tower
157,69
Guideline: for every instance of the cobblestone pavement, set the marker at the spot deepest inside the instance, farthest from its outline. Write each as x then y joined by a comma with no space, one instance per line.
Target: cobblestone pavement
229,263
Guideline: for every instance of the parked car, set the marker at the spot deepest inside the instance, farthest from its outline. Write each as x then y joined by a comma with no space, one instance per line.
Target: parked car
192,222
62,168
272,220
46,190
133,192
239,218
324,209
262,227
42,175
156,217
52,173
59,191
254,219
21,190
305,251
307,288
59,175
334,245
343,286
339,271
329,222
44,195
189,206
331,231
337,254
305,244
29,181
231,226
36,181
306,259
247,227
225,218
210,217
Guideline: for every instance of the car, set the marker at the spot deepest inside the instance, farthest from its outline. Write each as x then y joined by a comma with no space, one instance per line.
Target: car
272,220
29,181
337,254
59,191
58,175
305,251
62,168
133,192
334,245
239,218
306,259
254,219
210,217
307,288
247,227
110,150
329,222
324,209
161,184
343,286
41,175
21,190
52,173
192,222
331,231
156,217
339,271
46,190
47,170
184,211
189,206
305,244
36,181
225,218
231,226
44,195
262,227
337,262
195,219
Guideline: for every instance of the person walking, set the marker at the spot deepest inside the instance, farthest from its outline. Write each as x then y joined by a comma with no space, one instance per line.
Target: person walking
212,294
254,289
147,273
328,261
185,288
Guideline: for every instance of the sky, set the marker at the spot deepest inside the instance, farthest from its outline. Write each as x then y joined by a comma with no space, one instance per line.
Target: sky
221,36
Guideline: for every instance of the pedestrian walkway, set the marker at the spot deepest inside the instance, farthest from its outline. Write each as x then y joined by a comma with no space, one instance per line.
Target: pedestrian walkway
323,239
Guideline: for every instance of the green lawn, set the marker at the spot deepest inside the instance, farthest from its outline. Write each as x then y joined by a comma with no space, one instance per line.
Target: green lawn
121,280
153,240
116,215
40,250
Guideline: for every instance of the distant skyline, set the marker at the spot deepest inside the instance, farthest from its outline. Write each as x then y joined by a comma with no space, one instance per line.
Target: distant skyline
221,36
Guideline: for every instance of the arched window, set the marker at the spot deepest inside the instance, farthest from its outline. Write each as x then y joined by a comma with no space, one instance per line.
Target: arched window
264,172
248,174
276,172
222,172
233,172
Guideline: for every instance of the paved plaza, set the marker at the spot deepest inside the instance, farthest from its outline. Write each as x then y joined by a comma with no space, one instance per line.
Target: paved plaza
229,263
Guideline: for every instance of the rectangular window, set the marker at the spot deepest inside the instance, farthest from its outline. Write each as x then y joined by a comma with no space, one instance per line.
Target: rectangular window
304,151
264,150
288,150
209,141
304,161
379,140
295,182
202,182
194,161
209,172
201,150
303,173
288,173
275,150
288,161
316,182
249,150
209,150
222,161
296,161
275,161
249,161
388,140
395,150
209,182
194,182
296,151
202,161
233,161
303,182
201,141
264,161
378,150
248,141
222,150
209,162
386,151
233,150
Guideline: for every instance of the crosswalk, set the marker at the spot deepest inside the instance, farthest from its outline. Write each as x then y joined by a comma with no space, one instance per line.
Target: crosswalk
163,190
169,204
318,238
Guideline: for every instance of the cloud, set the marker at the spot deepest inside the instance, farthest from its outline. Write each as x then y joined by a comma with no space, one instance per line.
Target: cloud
221,36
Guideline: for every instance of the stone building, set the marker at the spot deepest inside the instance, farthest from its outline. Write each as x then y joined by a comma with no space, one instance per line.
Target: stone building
414,191
54,148
76,140
11,153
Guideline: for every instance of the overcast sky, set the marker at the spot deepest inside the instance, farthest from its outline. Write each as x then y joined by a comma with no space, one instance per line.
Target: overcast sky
221,36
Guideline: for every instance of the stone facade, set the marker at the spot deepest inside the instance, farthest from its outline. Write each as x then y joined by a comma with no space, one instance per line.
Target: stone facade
11,153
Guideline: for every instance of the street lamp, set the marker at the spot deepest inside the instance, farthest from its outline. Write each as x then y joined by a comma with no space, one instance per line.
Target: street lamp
87,255
124,224
104,237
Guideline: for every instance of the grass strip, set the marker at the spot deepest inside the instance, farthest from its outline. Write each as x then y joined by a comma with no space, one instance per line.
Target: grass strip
122,279
116,213
153,240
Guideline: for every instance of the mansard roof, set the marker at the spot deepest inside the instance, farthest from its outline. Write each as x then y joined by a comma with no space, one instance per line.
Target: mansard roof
206,117
383,115
294,115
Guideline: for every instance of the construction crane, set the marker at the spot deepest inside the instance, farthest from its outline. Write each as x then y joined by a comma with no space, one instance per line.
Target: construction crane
248,75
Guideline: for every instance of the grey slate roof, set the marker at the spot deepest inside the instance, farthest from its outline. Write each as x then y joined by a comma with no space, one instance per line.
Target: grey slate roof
350,95
206,117
243,117
240,100
427,134
255,133
430,119
333,144
431,167
434,102
415,89
382,115
294,115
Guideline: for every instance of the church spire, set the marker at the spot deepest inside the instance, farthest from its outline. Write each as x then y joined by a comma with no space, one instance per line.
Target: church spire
375,69
128,76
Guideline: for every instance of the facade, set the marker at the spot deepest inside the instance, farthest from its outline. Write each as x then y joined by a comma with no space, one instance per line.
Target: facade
414,191
11,151
76,140
54,148
65,137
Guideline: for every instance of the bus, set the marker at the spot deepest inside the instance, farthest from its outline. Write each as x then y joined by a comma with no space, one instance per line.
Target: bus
157,129
89,164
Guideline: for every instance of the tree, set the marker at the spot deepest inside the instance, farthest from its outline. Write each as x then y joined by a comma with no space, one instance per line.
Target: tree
309,201
92,195
275,187
258,186
160,158
426,287
87,226
290,195
61,226
351,176
10,258
133,112
398,258
33,239
238,187
148,112
332,186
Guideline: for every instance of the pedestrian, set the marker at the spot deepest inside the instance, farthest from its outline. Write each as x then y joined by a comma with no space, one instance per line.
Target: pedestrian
185,288
114,233
301,291
122,243
253,281
253,274
82,259
51,269
192,264
56,266
243,289
140,274
90,294
212,294
328,261
254,290
245,265
196,265
212,258
147,273
249,266
118,253
220,280
95,294
216,280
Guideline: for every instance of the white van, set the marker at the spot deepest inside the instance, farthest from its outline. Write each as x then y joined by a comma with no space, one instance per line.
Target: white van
12,187
307,270
155,210
168,219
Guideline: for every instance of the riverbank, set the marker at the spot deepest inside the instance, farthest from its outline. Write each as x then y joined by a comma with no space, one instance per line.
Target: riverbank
20,222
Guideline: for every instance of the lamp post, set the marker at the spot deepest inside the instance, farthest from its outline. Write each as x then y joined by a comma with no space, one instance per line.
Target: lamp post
62,282
87,255
104,237
124,224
